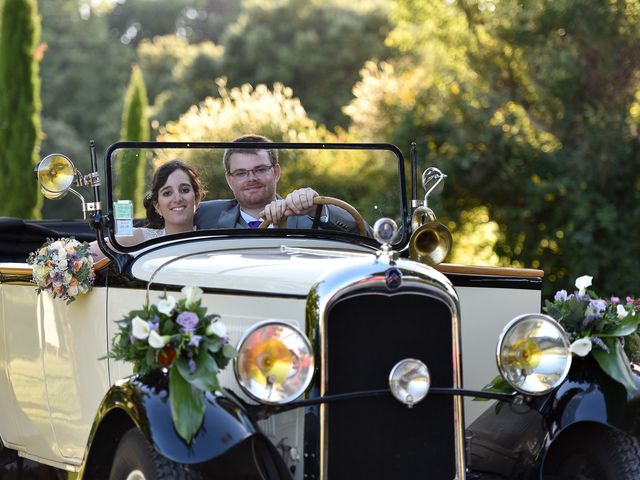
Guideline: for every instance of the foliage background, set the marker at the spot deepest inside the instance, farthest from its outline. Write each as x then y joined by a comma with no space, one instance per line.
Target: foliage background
531,108
19,107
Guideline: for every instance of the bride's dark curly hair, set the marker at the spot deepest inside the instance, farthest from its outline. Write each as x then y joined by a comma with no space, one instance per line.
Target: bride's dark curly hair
158,181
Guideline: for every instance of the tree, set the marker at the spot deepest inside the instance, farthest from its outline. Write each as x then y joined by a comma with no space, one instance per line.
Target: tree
316,48
135,127
19,107
184,74
532,109
192,20
85,72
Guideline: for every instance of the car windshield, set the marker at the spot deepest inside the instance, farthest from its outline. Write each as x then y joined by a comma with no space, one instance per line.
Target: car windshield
368,177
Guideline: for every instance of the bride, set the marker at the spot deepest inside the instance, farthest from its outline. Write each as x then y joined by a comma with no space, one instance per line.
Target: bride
171,203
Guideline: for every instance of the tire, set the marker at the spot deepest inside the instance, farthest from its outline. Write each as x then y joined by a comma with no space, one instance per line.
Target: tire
611,455
136,459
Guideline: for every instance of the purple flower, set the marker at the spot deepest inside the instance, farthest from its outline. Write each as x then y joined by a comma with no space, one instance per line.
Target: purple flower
590,318
582,297
195,341
561,296
154,323
600,343
188,321
598,305
192,366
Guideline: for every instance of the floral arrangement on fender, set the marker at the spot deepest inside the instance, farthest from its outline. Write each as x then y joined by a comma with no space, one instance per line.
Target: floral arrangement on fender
181,337
603,327
64,267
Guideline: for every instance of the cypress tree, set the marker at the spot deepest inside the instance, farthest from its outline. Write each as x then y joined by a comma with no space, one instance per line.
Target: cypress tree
135,127
19,108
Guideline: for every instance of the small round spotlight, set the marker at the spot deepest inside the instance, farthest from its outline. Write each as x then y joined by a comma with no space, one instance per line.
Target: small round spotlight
274,363
409,381
56,174
384,230
533,354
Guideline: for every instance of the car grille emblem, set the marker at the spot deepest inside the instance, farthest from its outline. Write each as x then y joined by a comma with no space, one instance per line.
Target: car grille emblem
393,278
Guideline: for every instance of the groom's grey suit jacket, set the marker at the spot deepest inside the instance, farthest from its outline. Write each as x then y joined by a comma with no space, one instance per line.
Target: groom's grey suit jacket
226,214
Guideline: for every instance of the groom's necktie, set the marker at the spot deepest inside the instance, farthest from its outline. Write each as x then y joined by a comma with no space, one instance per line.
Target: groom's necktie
254,224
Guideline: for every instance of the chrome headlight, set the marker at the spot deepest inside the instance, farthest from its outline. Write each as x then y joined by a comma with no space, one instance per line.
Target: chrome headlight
409,381
274,363
533,354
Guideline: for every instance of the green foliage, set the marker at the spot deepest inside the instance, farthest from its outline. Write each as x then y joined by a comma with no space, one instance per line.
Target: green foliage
316,48
532,110
19,108
135,127
84,72
183,74
192,20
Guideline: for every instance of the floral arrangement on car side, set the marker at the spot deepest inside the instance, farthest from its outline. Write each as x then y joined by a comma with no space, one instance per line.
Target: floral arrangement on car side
64,267
603,327
181,337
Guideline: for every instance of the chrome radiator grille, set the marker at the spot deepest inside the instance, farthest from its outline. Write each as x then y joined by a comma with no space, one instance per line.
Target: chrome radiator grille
378,438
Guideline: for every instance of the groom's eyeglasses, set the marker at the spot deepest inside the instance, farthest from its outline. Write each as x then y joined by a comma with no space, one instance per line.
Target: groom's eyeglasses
260,171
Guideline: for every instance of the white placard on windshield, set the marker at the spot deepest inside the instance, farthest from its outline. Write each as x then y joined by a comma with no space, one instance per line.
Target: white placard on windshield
123,218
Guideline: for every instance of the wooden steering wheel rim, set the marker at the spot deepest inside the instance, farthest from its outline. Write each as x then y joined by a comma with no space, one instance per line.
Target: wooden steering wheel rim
320,200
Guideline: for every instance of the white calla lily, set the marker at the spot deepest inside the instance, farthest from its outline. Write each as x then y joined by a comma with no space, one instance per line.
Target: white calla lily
581,347
192,294
582,283
621,312
158,341
140,328
217,328
166,305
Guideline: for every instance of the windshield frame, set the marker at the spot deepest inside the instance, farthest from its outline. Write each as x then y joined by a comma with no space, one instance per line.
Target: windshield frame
350,237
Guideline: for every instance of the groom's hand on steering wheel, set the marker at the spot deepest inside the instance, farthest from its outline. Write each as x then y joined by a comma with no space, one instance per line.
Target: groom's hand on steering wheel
300,202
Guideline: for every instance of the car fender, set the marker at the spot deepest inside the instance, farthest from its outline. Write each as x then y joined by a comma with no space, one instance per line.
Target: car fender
510,439
143,403
590,395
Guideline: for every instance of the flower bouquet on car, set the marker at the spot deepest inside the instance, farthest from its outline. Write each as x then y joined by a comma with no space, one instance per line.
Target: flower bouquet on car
605,328
181,337
64,267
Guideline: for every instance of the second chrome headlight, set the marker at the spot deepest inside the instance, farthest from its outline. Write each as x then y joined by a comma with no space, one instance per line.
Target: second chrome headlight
533,354
274,363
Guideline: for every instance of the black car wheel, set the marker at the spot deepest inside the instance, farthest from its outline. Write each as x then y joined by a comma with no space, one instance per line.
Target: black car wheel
611,455
135,459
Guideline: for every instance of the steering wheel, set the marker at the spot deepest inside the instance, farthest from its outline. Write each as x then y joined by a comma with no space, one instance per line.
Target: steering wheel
320,201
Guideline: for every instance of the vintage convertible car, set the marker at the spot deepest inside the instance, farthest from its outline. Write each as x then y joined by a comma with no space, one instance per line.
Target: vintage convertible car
398,344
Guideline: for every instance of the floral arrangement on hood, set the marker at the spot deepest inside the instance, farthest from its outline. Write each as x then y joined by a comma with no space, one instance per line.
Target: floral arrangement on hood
604,328
64,267
177,335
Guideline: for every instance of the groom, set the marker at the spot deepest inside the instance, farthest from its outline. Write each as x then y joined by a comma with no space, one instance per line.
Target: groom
252,176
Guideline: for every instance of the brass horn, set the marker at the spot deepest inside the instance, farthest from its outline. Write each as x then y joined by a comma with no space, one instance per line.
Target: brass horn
430,241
